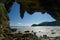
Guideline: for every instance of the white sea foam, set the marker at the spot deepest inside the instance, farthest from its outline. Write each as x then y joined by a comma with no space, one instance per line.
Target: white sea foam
41,30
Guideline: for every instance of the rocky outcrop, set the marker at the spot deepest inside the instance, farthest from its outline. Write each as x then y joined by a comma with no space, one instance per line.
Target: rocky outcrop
4,20
4,23
52,7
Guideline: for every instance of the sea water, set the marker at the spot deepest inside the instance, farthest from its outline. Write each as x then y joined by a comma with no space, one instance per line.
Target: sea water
51,31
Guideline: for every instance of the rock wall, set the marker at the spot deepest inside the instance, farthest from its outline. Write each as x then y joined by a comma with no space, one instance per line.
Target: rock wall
4,19
52,7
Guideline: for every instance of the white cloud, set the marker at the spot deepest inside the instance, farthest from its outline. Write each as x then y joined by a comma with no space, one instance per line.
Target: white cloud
15,24
19,23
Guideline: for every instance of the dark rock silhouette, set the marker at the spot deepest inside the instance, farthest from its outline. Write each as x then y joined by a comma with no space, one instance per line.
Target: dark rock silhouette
54,23
52,7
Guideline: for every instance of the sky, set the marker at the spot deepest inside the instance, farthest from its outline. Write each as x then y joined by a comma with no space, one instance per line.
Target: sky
28,20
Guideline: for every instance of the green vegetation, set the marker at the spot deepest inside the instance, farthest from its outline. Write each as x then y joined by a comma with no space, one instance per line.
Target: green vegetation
3,12
1,21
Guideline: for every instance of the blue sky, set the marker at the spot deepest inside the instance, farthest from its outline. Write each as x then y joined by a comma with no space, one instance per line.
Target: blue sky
37,17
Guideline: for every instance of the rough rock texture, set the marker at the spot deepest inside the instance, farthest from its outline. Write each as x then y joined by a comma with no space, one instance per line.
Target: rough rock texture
4,20
52,7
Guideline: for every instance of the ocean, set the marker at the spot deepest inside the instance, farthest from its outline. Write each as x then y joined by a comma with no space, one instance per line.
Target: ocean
51,31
